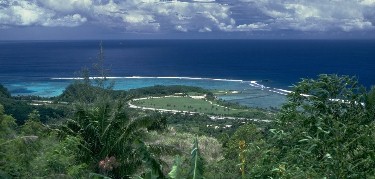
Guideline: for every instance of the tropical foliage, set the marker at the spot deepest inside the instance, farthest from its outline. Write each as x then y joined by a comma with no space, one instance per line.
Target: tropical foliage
112,142
326,129
196,171
36,150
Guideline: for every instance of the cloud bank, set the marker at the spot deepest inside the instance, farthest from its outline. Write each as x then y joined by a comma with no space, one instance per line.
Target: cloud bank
202,16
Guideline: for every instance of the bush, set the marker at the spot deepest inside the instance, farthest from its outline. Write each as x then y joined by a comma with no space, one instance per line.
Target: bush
325,131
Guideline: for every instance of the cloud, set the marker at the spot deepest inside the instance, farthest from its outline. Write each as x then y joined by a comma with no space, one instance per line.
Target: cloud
27,13
67,5
319,15
182,16
180,28
22,13
252,27
368,2
204,0
194,15
67,21
205,29
130,15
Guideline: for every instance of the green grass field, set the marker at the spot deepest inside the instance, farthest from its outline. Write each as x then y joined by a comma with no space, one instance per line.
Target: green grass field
187,104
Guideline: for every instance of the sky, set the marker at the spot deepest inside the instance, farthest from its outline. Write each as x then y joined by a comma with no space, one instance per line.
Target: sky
186,19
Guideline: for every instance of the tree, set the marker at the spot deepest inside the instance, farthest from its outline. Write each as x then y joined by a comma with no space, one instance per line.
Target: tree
100,69
4,92
57,158
33,125
112,142
324,130
7,125
244,151
370,103
16,151
90,88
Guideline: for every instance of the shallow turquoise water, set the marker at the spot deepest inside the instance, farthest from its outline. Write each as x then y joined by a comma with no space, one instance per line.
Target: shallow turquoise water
248,94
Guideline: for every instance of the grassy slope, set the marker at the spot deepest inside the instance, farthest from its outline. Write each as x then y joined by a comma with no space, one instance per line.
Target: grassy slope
187,104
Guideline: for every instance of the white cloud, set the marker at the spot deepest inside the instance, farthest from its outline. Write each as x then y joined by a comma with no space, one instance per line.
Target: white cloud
356,24
368,2
204,0
303,11
251,27
193,15
319,15
68,21
136,18
205,29
180,28
27,13
21,13
67,5
140,21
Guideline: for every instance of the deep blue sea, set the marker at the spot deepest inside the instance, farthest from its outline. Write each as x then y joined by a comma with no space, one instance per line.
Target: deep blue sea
32,67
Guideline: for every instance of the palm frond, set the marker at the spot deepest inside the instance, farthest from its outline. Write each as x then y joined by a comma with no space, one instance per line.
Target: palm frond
133,127
196,171
98,176
149,159
107,130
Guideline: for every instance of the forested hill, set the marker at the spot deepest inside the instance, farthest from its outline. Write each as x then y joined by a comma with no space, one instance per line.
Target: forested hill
81,90
21,107
4,92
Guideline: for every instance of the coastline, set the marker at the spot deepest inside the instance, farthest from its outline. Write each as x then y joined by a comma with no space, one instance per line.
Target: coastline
250,93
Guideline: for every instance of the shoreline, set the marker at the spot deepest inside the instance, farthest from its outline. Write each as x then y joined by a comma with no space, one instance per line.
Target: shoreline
249,93
33,86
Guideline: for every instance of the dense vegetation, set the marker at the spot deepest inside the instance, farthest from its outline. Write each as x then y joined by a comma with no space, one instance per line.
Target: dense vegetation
329,133
326,129
20,107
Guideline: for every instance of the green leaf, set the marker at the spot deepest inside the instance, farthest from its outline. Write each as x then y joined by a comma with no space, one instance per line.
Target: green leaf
176,168
303,140
196,171
327,132
96,175
150,161
151,175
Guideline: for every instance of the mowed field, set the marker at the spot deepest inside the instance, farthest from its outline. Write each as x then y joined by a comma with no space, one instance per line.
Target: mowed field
187,104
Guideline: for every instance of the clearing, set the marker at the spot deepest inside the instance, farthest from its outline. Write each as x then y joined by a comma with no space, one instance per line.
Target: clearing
196,104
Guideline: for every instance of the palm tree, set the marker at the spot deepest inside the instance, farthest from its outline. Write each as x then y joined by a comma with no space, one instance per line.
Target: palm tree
112,141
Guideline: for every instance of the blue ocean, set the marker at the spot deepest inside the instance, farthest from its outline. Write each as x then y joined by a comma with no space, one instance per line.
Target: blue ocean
258,70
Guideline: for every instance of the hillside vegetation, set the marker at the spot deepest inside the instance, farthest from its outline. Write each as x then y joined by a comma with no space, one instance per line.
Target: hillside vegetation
326,129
